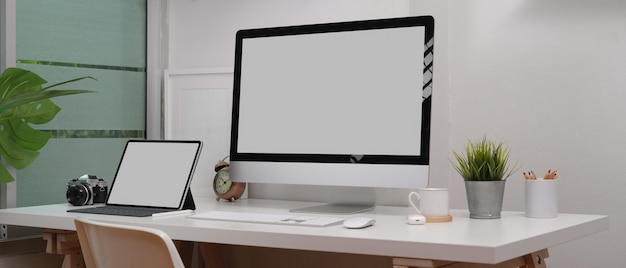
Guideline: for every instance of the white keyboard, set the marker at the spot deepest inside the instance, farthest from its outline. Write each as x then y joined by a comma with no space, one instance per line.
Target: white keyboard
284,219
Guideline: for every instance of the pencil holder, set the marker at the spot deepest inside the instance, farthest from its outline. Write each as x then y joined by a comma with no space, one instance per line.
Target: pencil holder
542,198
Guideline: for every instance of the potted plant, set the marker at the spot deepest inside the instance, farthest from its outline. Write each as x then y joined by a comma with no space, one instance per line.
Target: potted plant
484,166
25,101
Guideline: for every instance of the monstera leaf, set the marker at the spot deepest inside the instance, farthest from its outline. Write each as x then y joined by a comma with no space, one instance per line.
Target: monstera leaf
23,102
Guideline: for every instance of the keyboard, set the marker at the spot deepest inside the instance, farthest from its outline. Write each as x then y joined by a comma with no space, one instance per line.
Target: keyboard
120,211
281,219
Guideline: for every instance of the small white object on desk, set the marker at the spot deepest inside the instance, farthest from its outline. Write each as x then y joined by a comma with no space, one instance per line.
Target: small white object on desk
358,222
172,213
415,219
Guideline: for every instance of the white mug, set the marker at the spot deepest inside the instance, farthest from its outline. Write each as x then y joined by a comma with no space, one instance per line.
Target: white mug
433,202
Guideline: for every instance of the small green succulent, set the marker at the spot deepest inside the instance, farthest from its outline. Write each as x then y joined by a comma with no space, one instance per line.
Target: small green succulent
484,160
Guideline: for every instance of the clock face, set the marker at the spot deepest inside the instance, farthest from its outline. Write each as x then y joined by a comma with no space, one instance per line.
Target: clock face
222,182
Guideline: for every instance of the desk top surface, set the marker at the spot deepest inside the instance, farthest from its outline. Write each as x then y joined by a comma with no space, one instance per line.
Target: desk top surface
462,239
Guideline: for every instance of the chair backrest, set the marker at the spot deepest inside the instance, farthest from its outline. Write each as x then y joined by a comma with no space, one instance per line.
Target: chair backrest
113,245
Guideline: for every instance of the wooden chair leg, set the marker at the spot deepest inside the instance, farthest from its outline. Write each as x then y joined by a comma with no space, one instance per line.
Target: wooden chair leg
73,260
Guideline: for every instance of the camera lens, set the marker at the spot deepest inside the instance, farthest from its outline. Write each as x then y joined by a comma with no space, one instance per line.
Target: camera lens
77,194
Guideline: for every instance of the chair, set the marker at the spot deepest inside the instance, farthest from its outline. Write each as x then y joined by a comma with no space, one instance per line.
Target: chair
107,245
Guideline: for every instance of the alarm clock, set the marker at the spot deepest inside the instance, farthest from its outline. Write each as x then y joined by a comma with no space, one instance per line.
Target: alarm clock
223,187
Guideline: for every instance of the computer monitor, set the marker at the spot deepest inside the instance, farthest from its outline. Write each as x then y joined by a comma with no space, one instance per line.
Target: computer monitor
338,104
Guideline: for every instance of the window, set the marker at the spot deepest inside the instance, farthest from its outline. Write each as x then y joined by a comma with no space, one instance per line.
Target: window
65,39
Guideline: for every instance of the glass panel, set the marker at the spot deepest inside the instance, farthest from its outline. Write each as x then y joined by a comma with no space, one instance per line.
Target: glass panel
118,103
66,39
102,33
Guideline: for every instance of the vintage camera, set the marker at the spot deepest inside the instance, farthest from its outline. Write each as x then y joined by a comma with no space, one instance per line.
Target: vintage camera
86,190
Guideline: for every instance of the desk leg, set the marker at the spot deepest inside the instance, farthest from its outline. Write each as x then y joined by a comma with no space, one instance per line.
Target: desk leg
66,243
537,259
185,250
210,255
532,260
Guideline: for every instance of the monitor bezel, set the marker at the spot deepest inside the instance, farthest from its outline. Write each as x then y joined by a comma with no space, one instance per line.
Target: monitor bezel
422,159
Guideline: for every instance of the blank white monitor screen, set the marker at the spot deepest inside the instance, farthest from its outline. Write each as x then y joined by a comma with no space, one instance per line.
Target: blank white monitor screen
334,104
154,173
344,97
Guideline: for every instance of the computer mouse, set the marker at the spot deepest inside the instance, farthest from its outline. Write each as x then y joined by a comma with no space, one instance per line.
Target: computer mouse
358,222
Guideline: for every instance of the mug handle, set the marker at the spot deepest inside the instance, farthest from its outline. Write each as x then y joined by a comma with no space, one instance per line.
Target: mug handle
411,194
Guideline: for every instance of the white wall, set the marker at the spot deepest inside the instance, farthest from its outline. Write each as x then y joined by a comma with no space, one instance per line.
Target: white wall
203,31
547,77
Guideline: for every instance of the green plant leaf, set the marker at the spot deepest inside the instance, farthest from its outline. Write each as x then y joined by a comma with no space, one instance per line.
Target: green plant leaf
32,96
26,136
484,160
14,81
39,112
24,101
14,154
5,176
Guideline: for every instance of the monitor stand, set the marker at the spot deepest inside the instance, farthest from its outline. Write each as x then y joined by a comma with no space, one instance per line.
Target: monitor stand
345,200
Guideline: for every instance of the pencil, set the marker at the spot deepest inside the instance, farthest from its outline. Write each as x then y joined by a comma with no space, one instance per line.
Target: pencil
526,176
548,175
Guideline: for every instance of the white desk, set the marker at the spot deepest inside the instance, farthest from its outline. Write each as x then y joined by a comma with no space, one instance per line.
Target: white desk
462,240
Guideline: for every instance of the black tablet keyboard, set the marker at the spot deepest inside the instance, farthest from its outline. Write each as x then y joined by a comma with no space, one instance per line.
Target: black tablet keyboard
121,211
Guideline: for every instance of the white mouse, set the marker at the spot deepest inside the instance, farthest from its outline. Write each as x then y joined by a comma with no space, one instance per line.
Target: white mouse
358,222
